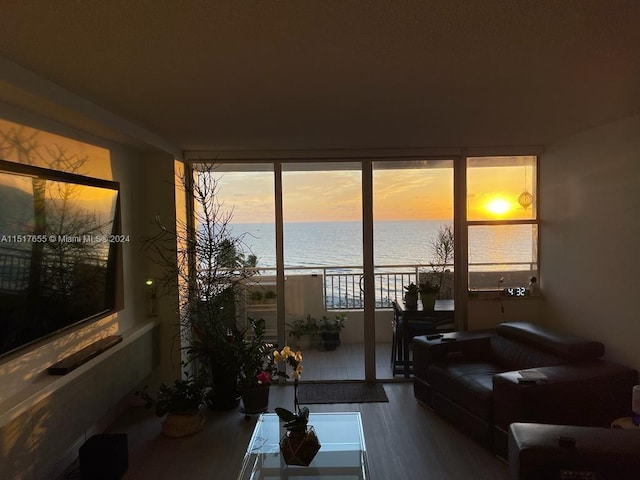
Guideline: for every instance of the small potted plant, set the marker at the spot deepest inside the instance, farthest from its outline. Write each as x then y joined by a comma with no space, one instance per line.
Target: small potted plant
256,368
330,330
428,294
270,297
411,296
303,331
179,404
255,297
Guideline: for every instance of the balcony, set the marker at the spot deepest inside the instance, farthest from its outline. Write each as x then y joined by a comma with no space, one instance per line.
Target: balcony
325,291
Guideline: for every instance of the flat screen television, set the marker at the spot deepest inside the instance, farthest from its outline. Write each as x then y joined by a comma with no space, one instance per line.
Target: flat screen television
59,247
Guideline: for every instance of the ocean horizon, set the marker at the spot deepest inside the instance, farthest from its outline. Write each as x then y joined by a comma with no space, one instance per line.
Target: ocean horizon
396,242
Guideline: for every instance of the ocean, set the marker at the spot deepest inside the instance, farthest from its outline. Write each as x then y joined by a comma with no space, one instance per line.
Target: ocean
339,244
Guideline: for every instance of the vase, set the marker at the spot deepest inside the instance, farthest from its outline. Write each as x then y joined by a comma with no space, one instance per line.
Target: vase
299,448
255,399
428,300
182,424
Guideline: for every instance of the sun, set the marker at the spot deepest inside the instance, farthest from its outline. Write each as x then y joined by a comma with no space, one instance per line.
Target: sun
498,206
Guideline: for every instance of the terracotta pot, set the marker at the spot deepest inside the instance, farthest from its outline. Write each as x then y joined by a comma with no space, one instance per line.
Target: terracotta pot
299,448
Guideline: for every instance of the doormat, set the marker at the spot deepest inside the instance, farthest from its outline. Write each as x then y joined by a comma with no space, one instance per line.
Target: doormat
341,392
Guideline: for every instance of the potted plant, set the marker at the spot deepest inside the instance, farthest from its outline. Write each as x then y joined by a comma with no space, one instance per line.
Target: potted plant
330,331
179,404
205,269
428,294
270,297
256,368
256,297
411,296
299,445
303,331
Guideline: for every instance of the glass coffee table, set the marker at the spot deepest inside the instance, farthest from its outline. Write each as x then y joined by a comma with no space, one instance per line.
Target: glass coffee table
342,454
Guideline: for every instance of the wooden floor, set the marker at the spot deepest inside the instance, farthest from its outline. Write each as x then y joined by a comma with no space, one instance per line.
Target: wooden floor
346,363
404,439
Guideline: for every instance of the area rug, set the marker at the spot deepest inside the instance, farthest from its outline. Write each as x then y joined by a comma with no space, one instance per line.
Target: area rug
341,392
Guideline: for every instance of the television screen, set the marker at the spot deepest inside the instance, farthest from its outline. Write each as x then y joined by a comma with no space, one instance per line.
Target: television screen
59,242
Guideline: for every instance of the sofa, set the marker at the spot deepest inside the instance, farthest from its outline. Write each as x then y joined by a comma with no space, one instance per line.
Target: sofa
474,379
541,452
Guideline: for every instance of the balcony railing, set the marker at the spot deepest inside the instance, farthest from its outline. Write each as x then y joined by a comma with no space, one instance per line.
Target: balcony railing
343,286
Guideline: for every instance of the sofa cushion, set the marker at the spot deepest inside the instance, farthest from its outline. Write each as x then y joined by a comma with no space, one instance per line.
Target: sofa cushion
568,347
470,385
513,355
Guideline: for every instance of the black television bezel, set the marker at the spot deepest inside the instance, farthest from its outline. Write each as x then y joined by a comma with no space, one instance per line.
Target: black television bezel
10,167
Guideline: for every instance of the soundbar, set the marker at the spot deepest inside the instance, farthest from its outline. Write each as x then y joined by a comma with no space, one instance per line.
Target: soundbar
82,356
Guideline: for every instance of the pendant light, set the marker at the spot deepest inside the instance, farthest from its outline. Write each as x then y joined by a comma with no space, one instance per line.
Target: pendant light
525,199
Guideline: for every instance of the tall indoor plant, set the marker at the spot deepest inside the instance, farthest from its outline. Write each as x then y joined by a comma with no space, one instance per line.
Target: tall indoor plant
207,264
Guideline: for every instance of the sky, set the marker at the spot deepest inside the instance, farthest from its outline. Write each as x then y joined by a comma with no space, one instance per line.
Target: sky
399,194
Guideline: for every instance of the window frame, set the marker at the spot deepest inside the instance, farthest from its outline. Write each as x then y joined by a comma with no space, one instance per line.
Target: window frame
468,224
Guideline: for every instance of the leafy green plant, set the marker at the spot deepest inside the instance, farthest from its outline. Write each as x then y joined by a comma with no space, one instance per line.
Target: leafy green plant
300,327
183,396
427,286
412,289
255,363
333,326
256,296
294,422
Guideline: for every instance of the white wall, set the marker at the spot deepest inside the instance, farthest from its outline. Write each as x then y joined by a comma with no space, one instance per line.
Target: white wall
590,236
44,419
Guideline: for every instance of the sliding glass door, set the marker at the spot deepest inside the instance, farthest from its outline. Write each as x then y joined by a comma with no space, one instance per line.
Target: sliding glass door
315,234
322,231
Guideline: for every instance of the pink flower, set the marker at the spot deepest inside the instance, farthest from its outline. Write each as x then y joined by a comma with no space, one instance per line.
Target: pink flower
264,377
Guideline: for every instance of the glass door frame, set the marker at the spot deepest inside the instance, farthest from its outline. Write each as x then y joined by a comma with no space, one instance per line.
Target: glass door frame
366,164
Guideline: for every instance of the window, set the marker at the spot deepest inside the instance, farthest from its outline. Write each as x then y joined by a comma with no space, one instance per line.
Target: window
502,222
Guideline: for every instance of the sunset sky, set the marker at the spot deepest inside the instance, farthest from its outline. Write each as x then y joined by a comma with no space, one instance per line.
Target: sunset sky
399,194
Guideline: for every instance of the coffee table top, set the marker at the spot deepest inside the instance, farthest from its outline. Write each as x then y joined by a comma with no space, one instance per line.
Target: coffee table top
342,452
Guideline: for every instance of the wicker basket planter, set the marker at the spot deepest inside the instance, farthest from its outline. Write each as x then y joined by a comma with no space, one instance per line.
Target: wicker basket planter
177,425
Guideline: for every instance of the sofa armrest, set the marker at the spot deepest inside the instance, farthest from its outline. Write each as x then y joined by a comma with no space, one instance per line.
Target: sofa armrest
467,345
535,452
590,393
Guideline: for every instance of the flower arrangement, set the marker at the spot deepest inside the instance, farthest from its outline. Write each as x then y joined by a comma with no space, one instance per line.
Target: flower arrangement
297,420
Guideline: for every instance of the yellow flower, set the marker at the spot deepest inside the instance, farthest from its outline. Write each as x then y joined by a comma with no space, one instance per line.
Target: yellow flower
298,356
297,373
277,357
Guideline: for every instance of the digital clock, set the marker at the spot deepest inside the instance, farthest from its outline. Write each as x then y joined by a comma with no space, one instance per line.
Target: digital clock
515,292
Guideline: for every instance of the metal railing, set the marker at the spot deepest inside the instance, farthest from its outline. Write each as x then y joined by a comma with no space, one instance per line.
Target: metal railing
344,289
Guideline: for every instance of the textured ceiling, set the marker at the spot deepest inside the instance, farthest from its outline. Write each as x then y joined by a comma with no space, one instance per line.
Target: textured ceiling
290,74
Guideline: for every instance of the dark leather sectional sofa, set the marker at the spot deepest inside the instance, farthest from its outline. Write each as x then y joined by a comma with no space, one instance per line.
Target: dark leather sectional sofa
473,381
